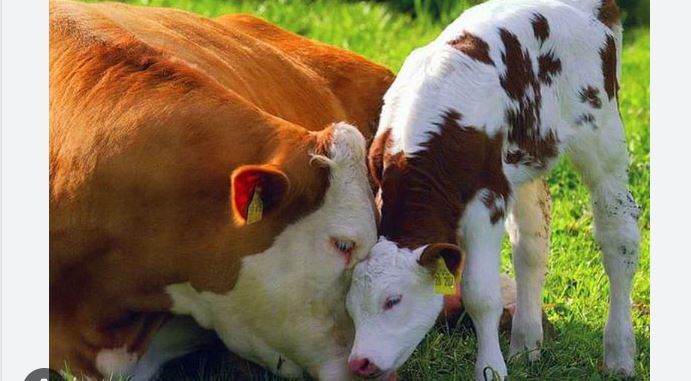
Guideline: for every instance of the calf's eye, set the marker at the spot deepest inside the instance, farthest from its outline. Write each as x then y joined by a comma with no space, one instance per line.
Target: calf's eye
344,246
391,301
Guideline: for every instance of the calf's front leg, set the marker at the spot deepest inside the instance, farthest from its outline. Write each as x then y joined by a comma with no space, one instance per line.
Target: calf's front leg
482,233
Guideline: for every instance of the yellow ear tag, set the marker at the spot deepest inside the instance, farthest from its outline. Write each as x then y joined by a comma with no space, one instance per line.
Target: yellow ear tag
444,281
255,210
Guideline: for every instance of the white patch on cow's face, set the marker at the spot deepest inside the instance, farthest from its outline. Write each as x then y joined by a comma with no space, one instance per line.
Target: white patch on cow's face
287,306
386,332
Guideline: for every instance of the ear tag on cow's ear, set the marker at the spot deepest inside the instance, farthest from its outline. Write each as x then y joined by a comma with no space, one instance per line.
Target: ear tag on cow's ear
444,281
255,210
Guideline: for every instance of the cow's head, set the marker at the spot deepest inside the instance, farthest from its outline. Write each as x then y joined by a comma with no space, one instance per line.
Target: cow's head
315,195
329,195
393,303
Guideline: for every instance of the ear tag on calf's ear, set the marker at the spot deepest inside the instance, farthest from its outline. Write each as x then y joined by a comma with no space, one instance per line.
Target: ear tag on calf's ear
444,281
255,209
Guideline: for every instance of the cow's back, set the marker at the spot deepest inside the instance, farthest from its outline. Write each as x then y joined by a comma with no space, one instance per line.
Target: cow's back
358,84
296,79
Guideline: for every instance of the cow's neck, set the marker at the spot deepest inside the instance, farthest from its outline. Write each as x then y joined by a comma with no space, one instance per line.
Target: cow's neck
217,265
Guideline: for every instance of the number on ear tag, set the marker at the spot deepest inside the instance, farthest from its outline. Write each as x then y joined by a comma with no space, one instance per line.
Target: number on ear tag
255,210
444,281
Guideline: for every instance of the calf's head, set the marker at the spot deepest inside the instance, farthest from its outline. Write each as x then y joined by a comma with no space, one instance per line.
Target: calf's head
393,303
392,298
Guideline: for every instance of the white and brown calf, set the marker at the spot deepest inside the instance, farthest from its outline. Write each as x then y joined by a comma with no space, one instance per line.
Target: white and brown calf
472,122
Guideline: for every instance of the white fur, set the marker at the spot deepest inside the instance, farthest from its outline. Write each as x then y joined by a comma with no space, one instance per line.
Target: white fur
115,362
438,78
529,231
389,272
287,305
481,284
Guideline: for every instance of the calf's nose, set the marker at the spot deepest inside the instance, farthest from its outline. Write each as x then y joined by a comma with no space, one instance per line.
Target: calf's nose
363,367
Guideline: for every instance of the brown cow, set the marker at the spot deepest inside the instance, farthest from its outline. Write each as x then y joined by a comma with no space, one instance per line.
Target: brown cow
195,170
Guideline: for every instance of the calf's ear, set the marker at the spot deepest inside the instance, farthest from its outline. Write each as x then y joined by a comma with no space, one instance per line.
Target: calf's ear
256,191
451,254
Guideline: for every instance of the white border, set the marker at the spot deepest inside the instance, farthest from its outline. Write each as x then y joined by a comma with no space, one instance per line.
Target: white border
24,258
670,253
24,265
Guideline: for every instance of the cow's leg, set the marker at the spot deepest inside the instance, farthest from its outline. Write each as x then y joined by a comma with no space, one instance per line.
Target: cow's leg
481,284
178,337
601,157
528,226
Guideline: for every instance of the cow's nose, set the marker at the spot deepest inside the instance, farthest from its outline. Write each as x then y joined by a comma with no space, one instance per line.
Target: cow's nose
363,367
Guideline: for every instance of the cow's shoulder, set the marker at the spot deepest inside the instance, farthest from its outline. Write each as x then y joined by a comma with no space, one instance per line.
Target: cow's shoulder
357,82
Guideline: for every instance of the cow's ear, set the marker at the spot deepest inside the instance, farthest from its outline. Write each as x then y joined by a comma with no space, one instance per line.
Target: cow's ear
451,254
256,190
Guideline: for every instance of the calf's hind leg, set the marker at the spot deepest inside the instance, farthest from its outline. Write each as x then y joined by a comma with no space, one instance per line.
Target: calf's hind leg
528,226
601,158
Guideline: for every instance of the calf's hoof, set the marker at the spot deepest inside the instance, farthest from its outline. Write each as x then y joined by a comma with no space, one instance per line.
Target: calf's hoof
488,373
620,350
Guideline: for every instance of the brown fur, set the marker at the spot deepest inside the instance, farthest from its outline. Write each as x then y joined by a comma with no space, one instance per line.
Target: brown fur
524,122
423,199
358,83
540,27
151,110
591,95
451,254
378,149
497,209
608,54
548,67
608,13
473,46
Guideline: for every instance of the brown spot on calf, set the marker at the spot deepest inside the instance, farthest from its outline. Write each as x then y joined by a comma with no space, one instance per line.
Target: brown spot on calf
548,67
591,95
608,54
496,204
473,46
524,121
540,27
519,70
608,13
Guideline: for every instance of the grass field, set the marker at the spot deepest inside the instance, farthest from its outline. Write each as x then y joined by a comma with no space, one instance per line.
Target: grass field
576,291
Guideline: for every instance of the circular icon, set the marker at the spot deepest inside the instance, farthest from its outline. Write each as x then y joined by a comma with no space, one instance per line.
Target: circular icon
44,374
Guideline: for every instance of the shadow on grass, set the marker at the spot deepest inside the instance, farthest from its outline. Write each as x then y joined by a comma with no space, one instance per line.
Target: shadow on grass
214,363
572,351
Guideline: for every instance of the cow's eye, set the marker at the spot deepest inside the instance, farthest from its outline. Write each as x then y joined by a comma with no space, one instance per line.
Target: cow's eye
391,301
343,245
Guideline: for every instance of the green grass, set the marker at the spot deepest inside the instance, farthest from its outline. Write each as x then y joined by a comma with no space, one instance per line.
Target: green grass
576,291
